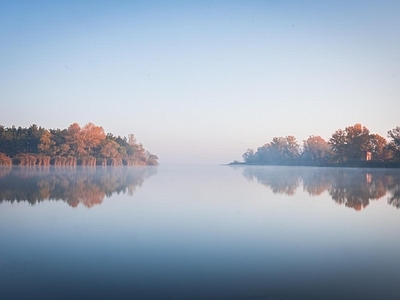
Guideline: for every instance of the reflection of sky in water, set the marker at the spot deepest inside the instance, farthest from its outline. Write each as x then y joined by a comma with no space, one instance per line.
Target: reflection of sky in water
205,233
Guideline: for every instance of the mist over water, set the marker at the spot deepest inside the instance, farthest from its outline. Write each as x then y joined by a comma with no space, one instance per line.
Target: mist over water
199,232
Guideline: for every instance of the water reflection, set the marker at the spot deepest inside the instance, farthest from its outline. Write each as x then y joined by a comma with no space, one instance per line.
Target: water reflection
82,185
354,188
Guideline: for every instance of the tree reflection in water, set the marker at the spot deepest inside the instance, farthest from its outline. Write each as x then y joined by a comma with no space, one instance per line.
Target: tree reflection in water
394,188
81,185
278,179
4,170
354,188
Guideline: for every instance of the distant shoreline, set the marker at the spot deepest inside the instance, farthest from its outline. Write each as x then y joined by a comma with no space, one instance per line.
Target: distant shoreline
347,164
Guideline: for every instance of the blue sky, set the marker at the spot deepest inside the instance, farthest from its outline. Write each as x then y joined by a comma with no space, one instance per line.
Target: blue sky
201,81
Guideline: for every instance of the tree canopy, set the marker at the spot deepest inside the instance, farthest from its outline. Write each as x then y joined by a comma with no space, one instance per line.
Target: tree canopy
87,145
353,144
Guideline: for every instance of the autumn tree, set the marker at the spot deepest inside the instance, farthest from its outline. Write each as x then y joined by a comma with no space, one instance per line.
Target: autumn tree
46,143
351,143
109,149
358,142
76,141
394,144
92,136
71,146
316,149
378,147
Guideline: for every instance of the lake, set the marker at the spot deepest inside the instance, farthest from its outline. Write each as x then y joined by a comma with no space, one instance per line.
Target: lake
199,232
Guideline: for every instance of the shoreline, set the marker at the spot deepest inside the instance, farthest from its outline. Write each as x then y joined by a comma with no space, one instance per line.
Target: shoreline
351,164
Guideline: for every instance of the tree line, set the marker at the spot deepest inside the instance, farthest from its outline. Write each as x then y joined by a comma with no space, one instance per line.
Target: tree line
353,146
88,145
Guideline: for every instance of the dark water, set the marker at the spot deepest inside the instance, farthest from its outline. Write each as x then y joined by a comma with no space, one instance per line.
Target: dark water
211,232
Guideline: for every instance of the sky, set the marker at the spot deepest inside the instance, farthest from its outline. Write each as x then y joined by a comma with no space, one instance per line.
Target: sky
201,81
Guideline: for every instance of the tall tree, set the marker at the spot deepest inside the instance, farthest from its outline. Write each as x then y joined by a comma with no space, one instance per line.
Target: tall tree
338,142
45,143
292,148
60,146
76,141
394,144
378,147
358,141
92,136
316,149
351,143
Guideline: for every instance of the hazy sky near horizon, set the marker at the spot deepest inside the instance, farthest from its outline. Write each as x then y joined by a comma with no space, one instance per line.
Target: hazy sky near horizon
201,81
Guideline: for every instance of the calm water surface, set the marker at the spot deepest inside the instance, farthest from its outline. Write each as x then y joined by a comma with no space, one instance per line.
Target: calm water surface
191,232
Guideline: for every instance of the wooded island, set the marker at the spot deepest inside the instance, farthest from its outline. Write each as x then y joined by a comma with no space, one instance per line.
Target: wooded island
354,146
88,146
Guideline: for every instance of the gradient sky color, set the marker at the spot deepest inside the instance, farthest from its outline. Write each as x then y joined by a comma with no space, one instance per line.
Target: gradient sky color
201,81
